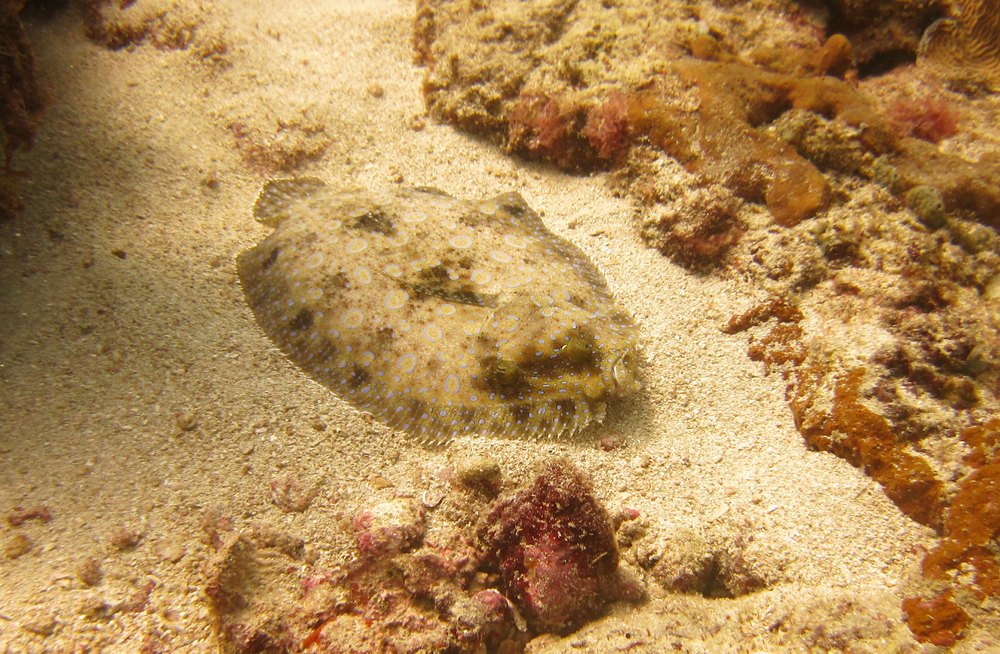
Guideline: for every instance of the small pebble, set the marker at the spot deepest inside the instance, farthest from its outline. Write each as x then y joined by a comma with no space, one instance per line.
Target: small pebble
992,290
376,90
977,361
389,527
211,181
40,622
138,600
416,122
186,420
928,205
18,515
973,237
94,607
216,526
267,535
886,175
478,472
292,495
89,572
380,482
16,545
124,538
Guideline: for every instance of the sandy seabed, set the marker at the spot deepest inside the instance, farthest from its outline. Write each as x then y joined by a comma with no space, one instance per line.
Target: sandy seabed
138,396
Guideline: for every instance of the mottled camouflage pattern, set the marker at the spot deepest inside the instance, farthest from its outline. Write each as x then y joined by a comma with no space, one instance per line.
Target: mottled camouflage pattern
437,315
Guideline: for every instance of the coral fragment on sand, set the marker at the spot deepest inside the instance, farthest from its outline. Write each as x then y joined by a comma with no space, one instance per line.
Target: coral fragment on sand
554,547
437,315
938,621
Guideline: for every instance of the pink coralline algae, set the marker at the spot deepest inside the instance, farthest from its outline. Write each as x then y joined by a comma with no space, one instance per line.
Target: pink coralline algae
402,594
389,528
417,601
554,548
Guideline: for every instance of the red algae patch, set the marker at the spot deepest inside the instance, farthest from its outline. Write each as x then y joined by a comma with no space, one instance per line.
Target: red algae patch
554,547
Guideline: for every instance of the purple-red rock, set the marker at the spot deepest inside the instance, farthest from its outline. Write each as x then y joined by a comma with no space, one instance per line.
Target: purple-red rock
553,545
389,528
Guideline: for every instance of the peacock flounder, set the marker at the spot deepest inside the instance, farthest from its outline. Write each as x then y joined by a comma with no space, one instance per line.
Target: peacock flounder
439,316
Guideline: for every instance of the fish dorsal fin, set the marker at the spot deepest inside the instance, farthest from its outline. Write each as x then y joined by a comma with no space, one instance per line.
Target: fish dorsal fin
278,196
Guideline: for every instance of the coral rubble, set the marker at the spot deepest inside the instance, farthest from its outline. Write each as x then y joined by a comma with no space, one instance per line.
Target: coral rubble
399,595
543,560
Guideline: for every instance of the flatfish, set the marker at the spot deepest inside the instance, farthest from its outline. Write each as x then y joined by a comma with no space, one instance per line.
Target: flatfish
439,316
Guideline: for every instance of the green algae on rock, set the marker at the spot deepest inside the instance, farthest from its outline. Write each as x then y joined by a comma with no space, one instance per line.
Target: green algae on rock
439,316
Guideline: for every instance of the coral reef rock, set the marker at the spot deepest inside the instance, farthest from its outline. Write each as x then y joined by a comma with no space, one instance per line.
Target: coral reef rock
404,596
554,547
